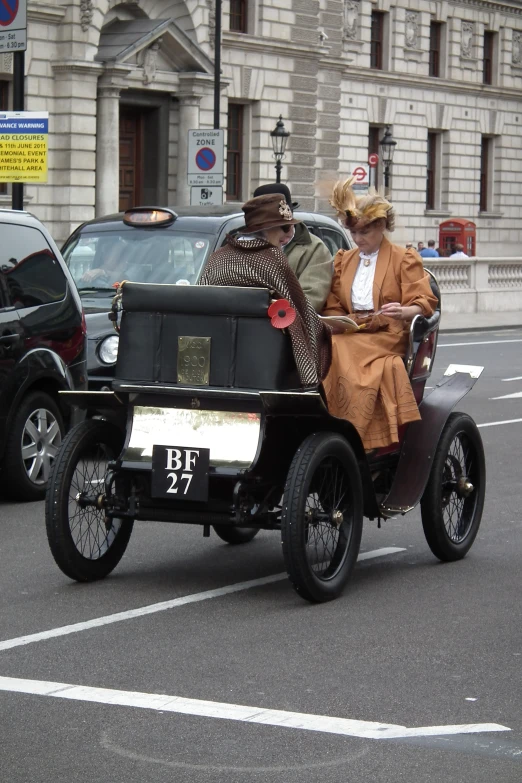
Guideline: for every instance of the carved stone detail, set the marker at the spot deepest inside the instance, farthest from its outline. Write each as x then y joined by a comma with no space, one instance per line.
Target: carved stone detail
150,58
516,48
411,29
86,14
211,22
246,79
6,62
466,40
351,11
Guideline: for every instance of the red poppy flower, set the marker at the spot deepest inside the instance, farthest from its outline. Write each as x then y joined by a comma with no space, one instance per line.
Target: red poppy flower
282,313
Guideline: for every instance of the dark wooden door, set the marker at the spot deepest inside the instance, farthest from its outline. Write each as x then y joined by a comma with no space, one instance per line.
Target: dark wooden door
131,158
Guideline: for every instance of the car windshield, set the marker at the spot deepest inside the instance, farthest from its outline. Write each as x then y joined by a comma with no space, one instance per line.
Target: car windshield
98,262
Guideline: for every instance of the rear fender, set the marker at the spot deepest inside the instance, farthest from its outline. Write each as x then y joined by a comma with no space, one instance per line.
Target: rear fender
422,438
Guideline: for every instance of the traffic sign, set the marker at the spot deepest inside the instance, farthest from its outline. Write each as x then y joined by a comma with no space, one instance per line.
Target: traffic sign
205,158
23,145
373,160
206,196
13,25
361,175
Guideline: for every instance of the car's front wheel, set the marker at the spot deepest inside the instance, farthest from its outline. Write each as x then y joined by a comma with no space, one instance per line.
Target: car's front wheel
33,442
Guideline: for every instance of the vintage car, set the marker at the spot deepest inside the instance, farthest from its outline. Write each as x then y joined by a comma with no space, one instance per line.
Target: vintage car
157,246
200,429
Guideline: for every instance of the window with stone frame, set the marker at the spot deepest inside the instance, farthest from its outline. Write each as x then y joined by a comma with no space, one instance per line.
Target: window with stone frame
4,106
374,136
486,162
377,40
432,170
435,48
488,57
238,16
235,124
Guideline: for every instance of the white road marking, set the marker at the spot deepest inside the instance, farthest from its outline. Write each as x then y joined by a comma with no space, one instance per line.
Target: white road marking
497,423
65,630
517,378
507,396
482,342
214,709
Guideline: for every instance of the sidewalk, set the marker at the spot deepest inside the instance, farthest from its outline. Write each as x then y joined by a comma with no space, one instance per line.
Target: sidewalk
467,322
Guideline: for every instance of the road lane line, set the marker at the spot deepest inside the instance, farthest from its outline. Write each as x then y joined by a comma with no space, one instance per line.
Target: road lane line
507,396
482,342
517,378
497,423
224,711
141,611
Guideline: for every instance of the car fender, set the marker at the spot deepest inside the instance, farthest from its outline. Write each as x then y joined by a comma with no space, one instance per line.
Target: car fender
38,368
422,438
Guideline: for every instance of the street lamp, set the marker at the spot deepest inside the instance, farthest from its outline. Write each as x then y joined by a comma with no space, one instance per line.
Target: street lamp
387,145
279,138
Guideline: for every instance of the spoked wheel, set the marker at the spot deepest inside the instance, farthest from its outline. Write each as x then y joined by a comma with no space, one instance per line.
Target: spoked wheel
321,520
235,535
84,545
454,497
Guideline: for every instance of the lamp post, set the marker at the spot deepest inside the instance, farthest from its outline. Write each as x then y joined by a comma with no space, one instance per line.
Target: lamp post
387,145
279,138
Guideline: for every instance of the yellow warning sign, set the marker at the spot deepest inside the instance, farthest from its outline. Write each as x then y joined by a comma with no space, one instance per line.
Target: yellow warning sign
23,146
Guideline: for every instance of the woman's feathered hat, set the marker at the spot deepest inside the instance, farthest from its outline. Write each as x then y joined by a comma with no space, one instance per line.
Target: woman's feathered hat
365,209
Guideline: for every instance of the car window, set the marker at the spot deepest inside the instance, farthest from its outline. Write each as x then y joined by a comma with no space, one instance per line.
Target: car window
334,240
31,275
100,261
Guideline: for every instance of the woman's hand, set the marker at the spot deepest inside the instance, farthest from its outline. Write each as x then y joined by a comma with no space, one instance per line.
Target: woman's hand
400,312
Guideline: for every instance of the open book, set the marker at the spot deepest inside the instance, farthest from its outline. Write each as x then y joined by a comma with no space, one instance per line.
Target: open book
342,323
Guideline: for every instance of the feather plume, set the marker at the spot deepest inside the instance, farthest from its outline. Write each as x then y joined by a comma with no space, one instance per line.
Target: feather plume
343,199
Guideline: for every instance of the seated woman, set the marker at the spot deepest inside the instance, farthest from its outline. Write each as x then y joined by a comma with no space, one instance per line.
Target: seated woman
382,286
256,260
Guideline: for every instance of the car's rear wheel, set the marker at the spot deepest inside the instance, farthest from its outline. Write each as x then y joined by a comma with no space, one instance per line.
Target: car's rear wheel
33,442
85,544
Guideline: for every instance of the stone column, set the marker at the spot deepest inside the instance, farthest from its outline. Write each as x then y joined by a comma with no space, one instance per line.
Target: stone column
108,141
192,88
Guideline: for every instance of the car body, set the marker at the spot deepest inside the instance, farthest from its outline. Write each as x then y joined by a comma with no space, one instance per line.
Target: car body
42,351
173,251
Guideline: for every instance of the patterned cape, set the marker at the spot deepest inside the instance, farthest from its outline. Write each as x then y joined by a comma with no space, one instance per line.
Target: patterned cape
256,263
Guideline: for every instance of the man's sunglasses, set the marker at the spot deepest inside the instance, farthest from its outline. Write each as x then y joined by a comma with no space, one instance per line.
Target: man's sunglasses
286,229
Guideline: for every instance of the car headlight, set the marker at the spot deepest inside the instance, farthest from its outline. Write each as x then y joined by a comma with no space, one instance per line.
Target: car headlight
108,349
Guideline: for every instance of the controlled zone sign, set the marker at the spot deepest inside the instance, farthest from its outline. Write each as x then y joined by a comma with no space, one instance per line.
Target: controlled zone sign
206,196
205,157
23,146
13,25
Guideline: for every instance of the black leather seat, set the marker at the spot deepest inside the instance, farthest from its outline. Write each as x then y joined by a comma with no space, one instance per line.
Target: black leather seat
246,351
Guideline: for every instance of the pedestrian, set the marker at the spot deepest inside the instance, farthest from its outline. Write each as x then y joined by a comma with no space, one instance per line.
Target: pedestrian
307,255
420,246
459,252
442,252
429,252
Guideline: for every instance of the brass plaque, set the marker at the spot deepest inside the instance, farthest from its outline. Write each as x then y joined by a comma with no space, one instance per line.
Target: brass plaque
194,360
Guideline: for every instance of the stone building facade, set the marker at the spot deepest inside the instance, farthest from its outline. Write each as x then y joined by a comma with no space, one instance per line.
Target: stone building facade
123,82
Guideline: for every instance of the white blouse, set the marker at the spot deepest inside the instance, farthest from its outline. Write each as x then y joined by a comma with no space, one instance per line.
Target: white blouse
362,287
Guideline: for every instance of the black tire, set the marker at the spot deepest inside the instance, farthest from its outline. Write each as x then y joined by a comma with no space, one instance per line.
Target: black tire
320,551
33,442
235,535
452,510
83,546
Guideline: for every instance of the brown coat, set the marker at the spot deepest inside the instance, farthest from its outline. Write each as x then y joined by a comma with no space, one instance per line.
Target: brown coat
367,383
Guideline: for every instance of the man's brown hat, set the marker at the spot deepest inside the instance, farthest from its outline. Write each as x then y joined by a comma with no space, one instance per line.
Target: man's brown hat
267,211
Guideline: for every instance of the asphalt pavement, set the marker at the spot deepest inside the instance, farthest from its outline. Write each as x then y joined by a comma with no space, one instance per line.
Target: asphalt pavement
413,675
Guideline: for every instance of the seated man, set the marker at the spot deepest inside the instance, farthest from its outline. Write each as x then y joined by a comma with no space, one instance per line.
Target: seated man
259,262
307,255
112,271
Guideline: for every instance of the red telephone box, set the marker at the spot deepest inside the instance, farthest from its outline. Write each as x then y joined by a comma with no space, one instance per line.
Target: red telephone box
458,231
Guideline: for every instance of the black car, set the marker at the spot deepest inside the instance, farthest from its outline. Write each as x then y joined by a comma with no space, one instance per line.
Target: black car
42,350
153,245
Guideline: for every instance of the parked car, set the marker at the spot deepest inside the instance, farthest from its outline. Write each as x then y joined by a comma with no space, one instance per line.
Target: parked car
42,351
152,245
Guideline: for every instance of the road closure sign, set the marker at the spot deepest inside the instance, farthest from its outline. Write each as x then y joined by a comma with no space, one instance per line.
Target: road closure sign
13,25
205,157
23,146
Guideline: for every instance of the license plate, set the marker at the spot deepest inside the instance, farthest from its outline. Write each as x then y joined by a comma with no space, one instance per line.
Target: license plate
180,473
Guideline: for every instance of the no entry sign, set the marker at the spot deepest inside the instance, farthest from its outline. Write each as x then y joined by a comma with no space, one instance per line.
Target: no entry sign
13,25
205,157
